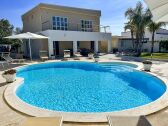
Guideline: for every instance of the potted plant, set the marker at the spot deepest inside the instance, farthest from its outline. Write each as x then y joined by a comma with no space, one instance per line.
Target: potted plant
96,58
9,75
147,65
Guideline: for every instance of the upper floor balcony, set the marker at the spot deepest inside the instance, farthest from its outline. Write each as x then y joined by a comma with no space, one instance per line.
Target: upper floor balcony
89,27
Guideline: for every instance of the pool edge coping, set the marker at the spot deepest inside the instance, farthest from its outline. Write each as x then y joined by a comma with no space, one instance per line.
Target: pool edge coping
20,106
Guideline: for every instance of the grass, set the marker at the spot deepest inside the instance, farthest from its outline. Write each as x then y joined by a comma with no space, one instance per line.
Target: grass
162,56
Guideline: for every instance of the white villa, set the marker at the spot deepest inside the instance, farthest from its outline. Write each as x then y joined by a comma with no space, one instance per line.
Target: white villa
124,42
67,28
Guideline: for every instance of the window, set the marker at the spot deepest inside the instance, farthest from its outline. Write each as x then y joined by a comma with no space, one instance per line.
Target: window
86,25
122,44
60,23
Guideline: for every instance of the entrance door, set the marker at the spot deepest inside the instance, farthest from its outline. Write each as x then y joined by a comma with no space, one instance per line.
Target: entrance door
92,45
56,48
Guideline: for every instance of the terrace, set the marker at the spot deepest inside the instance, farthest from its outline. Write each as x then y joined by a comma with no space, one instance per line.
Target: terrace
16,118
85,91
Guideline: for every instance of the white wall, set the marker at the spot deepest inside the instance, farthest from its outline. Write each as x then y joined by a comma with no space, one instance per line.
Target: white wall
161,34
146,46
76,35
126,34
56,35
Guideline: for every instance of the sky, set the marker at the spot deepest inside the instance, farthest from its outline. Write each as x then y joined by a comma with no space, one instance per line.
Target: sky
112,10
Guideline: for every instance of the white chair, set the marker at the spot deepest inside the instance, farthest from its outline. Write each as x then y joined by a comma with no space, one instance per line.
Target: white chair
67,54
6,60
3,62
43,55
6,57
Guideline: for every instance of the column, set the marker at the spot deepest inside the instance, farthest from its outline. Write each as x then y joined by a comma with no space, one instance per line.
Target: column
96,46
50,47
109,46
75,48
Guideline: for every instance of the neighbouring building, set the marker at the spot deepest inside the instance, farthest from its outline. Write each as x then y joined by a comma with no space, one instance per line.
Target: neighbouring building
124,42
67,28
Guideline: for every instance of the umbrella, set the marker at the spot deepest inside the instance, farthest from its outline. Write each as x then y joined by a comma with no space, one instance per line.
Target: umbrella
159,9
28,36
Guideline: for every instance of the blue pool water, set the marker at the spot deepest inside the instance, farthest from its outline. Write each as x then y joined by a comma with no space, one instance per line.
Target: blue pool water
87,87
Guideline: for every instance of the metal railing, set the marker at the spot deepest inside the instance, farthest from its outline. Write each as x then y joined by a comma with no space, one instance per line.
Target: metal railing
77,27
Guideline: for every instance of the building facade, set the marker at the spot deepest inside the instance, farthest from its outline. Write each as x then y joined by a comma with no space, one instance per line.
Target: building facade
67,28
124,42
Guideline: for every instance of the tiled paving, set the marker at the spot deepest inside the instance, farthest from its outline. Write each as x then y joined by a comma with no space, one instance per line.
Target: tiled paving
10,117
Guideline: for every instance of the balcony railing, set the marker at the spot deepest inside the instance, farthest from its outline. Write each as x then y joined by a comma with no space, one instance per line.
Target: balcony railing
77,27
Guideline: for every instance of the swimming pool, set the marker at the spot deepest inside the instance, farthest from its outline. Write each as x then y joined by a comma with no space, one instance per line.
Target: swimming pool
87,87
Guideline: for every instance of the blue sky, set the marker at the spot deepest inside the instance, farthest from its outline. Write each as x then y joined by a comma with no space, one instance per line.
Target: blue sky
112,10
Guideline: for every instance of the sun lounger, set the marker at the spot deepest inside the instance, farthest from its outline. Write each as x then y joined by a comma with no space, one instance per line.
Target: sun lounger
128,121
77,55
43,121
43,55
19,58
3,62
6,57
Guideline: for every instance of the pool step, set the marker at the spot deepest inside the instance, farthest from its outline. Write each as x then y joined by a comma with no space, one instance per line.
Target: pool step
116,68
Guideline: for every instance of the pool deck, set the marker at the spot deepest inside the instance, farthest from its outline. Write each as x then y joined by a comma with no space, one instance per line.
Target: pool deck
10,117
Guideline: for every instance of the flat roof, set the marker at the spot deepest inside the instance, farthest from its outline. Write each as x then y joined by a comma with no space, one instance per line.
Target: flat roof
65,8
146,39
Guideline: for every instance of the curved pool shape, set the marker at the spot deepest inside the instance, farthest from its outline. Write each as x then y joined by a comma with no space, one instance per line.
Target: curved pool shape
87,87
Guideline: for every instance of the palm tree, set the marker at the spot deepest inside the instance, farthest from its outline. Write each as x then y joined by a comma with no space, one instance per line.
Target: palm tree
5,30
130,26
139,18
153,27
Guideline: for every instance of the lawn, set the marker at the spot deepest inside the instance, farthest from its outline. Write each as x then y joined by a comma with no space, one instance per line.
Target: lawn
155,55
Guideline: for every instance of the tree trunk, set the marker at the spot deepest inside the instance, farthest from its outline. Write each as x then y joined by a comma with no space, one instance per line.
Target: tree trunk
137,42
140,44
152,44
139,47
160,47
132,37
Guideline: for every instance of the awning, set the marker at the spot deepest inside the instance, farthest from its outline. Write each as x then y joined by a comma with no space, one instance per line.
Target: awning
159,9
28,36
